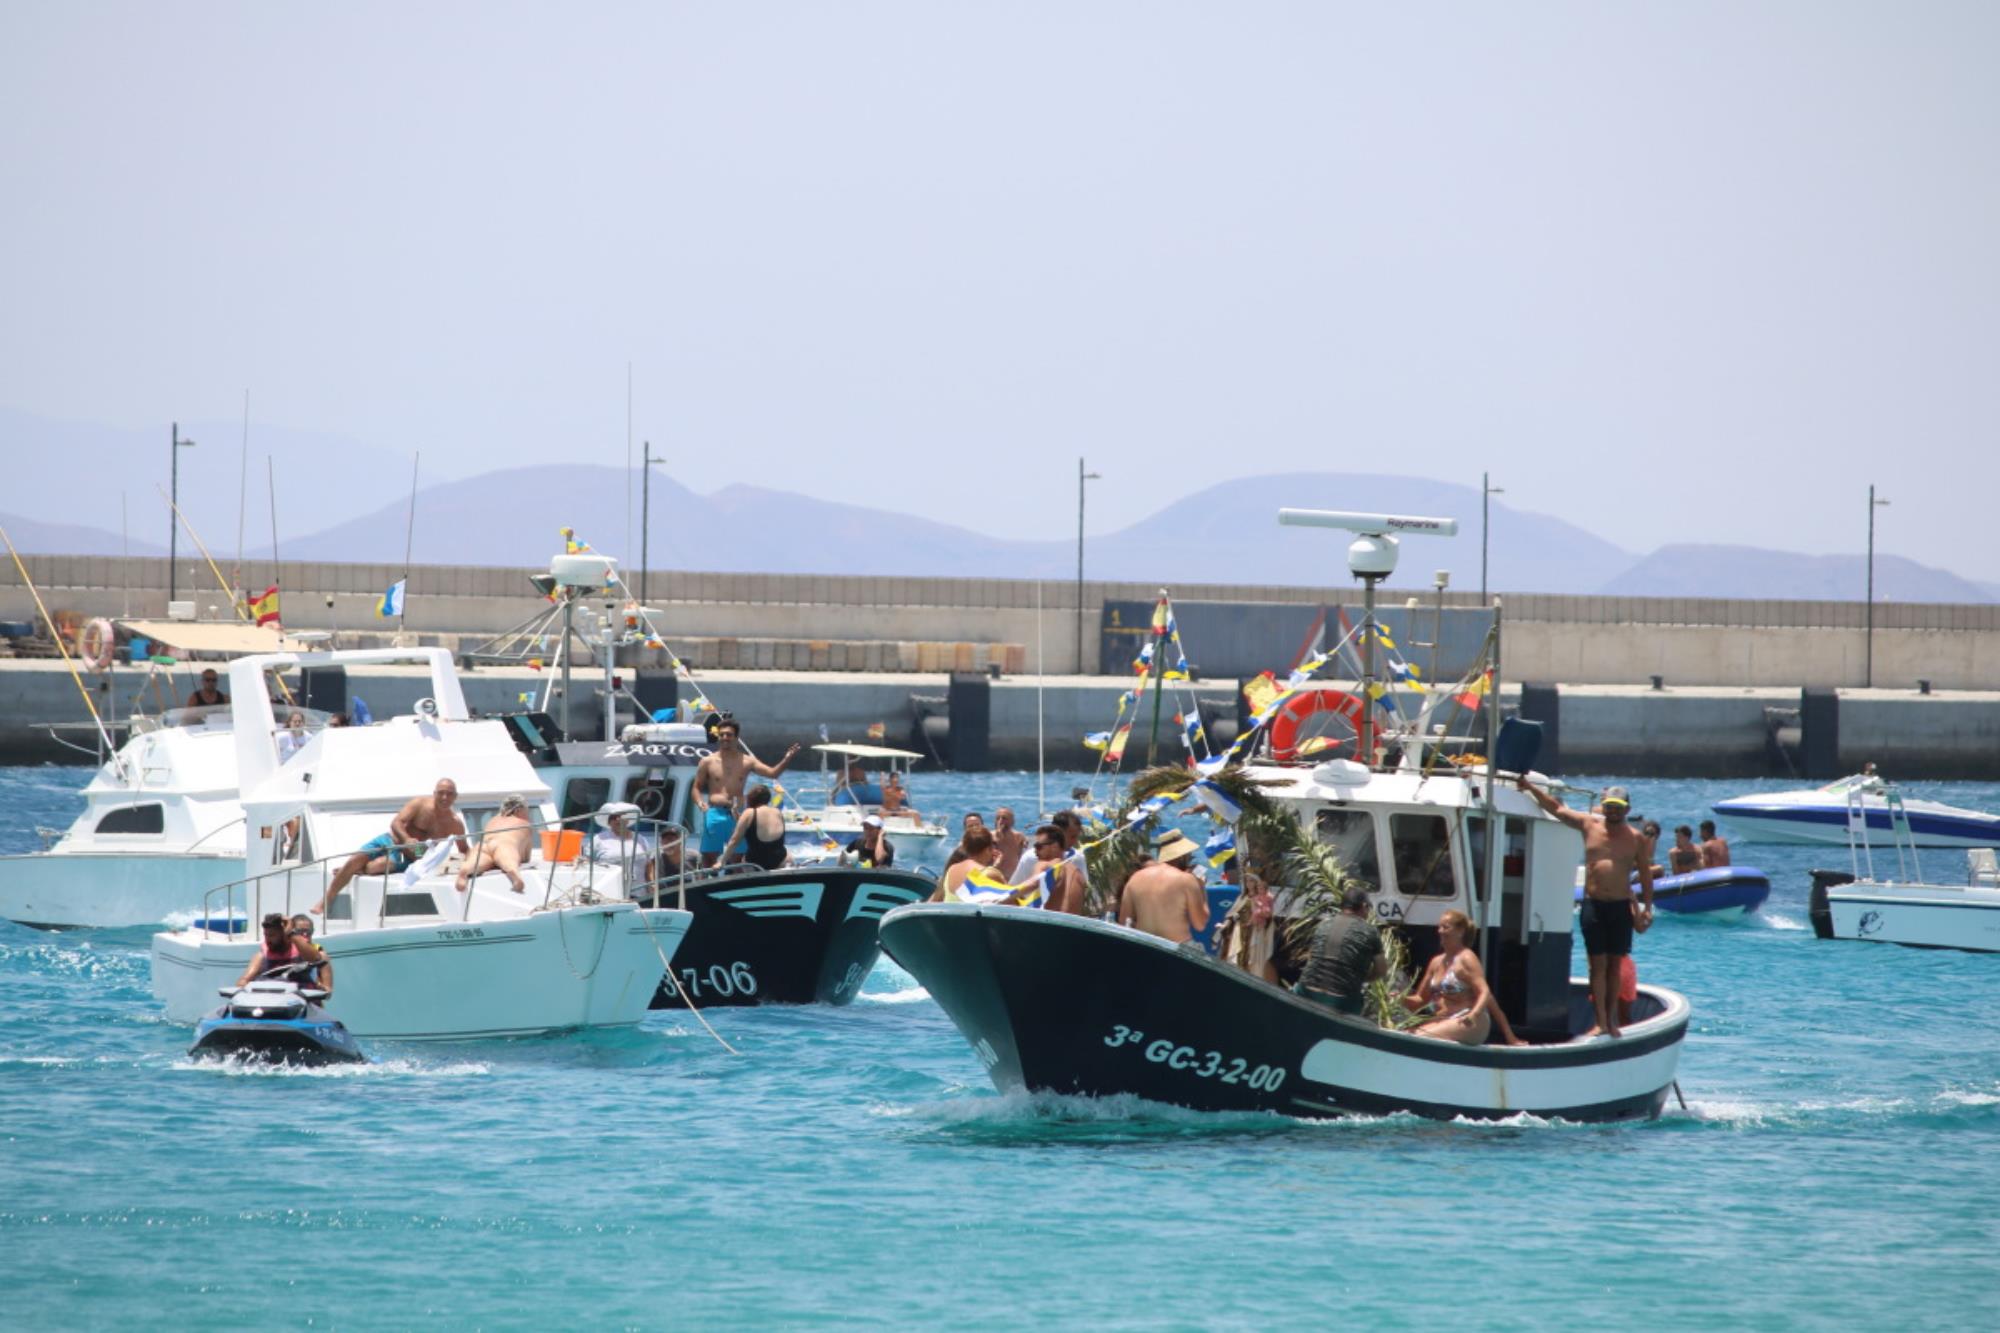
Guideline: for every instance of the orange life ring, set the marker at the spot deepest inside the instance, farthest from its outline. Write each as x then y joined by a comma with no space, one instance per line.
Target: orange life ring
94,643
1303,704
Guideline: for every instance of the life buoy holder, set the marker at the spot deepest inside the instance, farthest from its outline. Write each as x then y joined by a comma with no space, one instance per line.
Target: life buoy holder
1303,704
95,642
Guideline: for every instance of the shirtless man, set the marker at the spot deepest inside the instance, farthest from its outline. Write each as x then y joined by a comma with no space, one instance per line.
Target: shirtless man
1163,897
504,844
1684,858
718,786
1612,851
1714,849
423,819
895,800
1010,841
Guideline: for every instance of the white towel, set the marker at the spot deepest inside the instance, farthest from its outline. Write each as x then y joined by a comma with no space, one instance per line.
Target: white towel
428,862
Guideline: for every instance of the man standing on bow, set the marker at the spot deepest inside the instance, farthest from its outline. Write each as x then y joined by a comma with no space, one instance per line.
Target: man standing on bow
1613,851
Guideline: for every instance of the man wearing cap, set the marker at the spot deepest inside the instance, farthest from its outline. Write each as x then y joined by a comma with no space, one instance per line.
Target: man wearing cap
1613,851
1163,897
870,851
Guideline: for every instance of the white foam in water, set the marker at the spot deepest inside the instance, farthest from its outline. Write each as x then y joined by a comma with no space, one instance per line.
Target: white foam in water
1779,921
895,996
1967,1097
365,1069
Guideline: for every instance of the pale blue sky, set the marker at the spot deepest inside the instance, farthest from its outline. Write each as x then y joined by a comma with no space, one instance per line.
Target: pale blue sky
1673,271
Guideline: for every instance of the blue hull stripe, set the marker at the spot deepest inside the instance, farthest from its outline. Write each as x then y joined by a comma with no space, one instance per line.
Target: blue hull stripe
1971,828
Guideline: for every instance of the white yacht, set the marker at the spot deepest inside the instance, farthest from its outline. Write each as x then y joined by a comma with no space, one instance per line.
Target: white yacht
415,957
1904,907
161,824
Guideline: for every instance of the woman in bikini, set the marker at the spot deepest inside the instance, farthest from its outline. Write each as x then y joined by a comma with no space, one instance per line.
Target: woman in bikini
1455,984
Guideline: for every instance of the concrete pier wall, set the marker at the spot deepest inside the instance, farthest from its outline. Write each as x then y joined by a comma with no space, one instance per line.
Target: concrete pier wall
1678,731
1580,640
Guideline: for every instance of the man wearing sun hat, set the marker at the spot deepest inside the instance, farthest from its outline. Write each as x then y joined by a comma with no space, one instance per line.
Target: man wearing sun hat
1613,851
1163,897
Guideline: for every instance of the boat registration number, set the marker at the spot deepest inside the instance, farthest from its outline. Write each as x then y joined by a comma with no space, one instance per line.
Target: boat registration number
1201,1064
720,979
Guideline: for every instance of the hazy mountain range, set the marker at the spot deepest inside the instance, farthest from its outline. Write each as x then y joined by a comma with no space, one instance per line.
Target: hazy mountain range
352,506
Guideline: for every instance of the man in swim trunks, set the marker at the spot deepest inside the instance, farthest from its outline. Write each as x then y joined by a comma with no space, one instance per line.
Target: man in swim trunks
1612,852
504,845
422,820
718,785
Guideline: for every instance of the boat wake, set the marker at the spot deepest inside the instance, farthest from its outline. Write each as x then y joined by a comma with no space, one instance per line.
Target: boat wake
909,996
1779,921
1945,1107
54,956
399,1067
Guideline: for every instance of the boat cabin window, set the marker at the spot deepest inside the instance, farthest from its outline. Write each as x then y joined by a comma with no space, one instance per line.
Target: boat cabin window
1422,849
653,795
134,819
585,796
1351,834
409,904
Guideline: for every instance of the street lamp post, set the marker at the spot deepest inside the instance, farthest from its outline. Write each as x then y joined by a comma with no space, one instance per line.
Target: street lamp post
1487,490
1081,478
1868,653
645,514
174,510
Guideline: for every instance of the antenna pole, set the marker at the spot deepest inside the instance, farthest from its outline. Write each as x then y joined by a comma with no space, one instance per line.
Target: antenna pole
409,540
1158,671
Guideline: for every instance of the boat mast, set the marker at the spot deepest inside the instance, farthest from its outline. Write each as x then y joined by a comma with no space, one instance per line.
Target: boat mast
1158,671
1495,844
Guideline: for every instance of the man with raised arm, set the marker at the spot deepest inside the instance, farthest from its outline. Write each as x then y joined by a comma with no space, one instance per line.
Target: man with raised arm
718,785
1613,851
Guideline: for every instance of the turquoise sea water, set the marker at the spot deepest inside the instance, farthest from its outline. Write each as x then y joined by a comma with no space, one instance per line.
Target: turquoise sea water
1838,1163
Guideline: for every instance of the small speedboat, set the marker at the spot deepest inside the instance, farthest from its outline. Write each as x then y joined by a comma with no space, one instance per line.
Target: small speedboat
1821,814
1908,909
274,1020
1722,894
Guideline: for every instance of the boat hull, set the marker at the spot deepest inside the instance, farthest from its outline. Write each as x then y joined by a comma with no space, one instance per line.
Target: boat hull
797,936
1922,916
302,1043
109,889
555,971
1768,819
1060,1004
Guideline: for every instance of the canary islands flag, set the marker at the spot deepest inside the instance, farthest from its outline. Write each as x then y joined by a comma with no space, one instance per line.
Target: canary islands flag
391,604
265,608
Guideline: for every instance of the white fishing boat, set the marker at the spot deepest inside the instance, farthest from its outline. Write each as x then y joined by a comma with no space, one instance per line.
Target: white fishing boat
1904,907
1066,1004
847,793
1820,814
415,957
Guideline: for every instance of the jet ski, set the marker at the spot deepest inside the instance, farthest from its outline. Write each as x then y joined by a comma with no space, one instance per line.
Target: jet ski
274,1020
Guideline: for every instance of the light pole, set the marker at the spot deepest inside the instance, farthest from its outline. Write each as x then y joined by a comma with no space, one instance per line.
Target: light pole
174,514
1081,478
1868,672
1487,490
645,514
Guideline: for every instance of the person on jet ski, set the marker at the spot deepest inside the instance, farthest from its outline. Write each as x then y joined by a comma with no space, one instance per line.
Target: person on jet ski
321,976
284,949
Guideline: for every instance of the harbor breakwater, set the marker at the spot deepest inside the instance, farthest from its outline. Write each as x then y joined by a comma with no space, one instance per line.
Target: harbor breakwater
975,722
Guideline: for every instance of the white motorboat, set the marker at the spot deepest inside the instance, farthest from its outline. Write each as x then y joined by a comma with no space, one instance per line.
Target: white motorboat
834,810
1904,907
415,958
1820,814
1059,1003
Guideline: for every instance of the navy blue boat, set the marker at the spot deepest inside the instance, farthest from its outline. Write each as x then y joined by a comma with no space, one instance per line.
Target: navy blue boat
1724,893
274,1021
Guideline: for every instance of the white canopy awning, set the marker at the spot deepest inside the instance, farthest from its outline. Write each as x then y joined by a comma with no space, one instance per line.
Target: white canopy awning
868,751
211,636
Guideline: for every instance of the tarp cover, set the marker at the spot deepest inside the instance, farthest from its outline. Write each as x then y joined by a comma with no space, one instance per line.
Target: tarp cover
211,636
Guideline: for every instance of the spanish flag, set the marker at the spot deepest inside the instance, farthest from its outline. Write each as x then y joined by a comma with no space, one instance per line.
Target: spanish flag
1471,696
265,608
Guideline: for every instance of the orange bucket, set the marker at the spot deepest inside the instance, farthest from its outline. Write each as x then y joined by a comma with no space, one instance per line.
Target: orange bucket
561,845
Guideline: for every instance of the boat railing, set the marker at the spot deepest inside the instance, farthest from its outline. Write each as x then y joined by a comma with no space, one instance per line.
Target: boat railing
571,875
